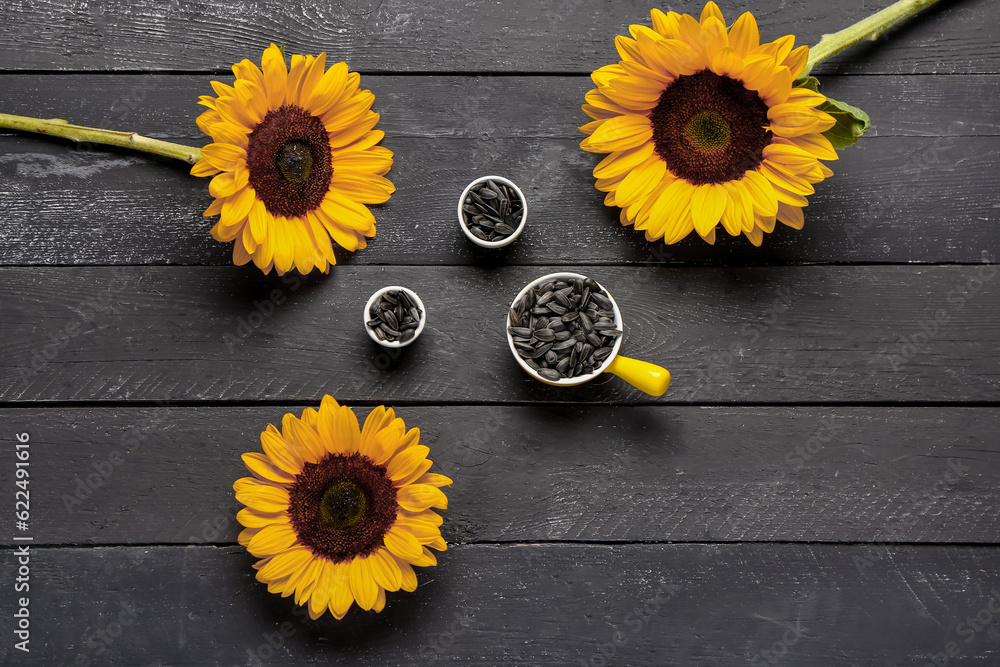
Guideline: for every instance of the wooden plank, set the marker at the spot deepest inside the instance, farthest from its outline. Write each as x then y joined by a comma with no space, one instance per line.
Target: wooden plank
665,604
410,35
892,199
779,334
480,107
163,475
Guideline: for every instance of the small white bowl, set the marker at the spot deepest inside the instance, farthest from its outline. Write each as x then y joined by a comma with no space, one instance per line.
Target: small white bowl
416,301
461,218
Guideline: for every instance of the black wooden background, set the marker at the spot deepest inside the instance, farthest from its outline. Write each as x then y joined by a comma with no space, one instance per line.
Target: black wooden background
819,487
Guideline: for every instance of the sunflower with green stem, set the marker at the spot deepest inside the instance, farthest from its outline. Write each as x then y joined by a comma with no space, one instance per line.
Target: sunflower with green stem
704,125
294,162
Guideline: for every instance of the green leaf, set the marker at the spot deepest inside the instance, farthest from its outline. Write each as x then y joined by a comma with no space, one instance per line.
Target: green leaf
852,122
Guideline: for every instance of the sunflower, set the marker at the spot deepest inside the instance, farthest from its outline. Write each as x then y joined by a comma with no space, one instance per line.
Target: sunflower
705,125
294,161
339,514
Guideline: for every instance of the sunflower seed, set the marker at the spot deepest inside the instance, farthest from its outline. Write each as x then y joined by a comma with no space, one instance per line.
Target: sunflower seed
594,339
603,301
515,317
550,374
565,345
602,354
551,357
486,193
407,335
545,298
540,352
503,228
545,335
390,333
612,332
523,332
390,319
532,363
585,322
478,233
541,323
562,335
556,308
604,325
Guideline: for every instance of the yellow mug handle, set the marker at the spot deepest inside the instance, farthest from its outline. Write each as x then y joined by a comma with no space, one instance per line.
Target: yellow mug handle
647,377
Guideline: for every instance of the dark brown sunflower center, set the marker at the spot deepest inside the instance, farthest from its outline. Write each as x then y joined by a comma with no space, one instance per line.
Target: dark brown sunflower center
709,128
295,162
288,157
342,506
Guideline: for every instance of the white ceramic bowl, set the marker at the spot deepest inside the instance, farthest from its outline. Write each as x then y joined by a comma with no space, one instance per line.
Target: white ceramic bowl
416,301
564,382
461,218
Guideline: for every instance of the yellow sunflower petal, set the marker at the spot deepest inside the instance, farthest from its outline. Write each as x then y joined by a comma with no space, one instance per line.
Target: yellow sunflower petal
744,36
417,497
338,426
275,76
264,498
619,133
284,564
341,597
252,518
363,586
377,420
306,439
261,466
385,570
405,462
408,576
711,10
402,544
223,156
707,205
791,215
320,596
280,452
759,187
272,539
640,180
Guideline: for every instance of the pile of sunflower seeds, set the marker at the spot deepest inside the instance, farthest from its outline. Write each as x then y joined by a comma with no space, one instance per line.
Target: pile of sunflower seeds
492,211
394,317
564,328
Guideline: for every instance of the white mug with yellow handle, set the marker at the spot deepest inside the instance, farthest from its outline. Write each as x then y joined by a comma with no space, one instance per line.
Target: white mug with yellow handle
650,378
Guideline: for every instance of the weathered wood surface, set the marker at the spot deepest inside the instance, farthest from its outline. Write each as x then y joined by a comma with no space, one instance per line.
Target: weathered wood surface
568,505
893,199
752,335
894,196
163,475
655,604
480,107
412,35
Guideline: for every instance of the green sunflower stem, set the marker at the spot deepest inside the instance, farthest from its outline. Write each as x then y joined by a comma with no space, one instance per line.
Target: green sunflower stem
57,127
867,29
